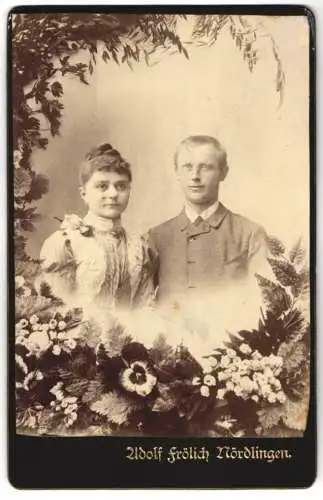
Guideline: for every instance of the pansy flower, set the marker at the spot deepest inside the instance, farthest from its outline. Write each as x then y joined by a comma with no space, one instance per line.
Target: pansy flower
138,378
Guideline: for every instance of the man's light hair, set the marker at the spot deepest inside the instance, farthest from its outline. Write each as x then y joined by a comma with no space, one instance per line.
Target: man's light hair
199,140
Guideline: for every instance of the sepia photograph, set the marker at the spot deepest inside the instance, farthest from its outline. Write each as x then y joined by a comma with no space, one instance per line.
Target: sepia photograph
161,224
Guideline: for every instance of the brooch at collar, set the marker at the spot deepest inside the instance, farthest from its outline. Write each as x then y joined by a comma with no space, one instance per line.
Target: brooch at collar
73,222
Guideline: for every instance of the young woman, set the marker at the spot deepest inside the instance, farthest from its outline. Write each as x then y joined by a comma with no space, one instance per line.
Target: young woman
93,262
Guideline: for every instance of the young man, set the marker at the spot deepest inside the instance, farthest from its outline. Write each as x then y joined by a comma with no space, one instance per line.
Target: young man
206,247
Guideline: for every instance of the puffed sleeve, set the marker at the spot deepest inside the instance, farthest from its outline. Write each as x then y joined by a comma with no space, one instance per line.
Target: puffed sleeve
58,265
146,289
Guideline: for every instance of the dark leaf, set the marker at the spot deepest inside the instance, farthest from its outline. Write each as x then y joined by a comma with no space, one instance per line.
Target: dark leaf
39,187
22,182
134,351
78,387
294,355
275,246
57,89
275,296
297,253
20,245
42,142
105,56
27,225
166,401
93,392
284,272
115,57
82,79
160,350
64,60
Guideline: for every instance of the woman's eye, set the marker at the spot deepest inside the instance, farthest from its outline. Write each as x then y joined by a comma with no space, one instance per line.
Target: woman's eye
121,187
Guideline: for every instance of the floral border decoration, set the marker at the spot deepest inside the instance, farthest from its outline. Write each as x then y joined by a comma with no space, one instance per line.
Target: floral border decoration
71,380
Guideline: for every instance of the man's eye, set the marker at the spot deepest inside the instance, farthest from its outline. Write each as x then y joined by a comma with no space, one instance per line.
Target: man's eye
102,186
187,166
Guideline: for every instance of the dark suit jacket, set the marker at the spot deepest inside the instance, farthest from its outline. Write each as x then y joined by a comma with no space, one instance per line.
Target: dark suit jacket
225,248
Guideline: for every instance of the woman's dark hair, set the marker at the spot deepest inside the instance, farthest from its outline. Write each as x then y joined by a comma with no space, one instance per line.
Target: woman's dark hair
103,158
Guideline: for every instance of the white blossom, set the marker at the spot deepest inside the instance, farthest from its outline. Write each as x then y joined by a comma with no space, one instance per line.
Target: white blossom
19,281
52,324
56,350
220,393
229,385
225,361
245,349
196,381
281,397
33,320
209,380
205,391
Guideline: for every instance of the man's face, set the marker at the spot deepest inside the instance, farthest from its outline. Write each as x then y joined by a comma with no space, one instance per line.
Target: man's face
107,194
200,172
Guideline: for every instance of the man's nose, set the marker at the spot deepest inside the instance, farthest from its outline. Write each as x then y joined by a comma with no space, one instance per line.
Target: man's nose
196,174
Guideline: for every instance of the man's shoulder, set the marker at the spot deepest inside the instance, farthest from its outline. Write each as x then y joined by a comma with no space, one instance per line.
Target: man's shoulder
169,225
244,224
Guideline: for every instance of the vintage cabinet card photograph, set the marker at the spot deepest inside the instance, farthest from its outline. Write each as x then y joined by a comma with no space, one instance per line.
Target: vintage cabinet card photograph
161,166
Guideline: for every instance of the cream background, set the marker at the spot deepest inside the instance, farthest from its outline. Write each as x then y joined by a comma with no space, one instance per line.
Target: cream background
145,113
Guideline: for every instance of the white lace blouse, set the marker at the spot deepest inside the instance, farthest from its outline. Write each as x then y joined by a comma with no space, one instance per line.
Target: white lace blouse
85,263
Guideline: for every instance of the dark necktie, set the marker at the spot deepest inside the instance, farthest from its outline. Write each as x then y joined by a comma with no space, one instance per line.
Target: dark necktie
198,221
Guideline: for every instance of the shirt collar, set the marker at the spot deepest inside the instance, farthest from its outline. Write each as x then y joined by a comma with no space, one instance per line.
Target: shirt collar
101,224
193,215
214,220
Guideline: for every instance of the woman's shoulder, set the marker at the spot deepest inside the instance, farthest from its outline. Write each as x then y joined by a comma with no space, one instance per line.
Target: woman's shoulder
59,243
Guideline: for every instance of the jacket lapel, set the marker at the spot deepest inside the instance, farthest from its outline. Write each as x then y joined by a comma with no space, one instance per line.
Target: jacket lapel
205,226
217,218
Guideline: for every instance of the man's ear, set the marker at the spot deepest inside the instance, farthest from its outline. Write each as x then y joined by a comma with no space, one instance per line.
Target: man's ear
224,172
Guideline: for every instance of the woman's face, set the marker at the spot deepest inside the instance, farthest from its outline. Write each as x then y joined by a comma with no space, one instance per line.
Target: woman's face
107,193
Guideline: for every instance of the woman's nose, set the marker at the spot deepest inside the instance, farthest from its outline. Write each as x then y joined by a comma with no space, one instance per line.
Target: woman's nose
112,192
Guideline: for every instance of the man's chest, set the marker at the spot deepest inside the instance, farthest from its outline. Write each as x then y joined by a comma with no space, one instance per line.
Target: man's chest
197,257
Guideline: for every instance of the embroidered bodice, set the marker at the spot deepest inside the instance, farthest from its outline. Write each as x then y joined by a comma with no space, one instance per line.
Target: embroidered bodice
89,262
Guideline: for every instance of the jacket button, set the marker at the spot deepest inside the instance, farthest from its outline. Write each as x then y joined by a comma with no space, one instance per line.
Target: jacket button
191,261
